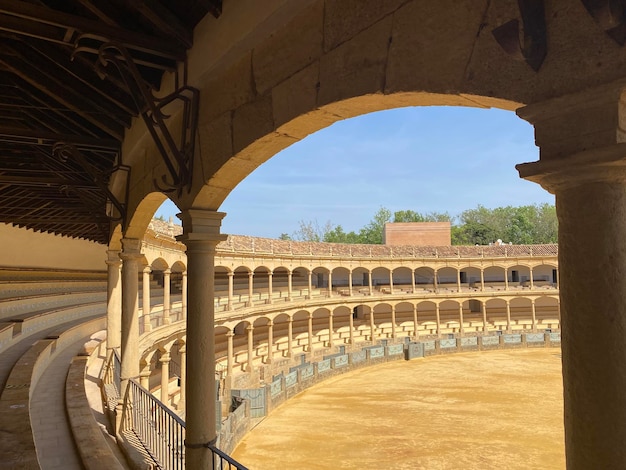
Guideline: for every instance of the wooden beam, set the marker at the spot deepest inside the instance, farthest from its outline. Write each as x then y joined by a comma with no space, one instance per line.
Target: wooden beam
8,134
164,20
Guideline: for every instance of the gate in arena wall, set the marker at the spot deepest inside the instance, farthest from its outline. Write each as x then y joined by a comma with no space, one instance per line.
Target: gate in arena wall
256,397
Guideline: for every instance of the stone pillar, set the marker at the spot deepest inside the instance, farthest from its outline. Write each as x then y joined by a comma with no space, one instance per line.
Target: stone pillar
393,321
435,286
415,325
250,288
506,278
114,300
182,350
270,341
249,365
412,281
482,280
270,275
289,285
231,356
484,309
310,284
201,234
391,281
145,304
183,300
330,329
508,316
350,282
372,325
532,283
458,280
533,315
369,279
351,326
290,337
144,376
231,276
310,332
438,319
166,297
330,283
461,320
165,378
131,257
583,164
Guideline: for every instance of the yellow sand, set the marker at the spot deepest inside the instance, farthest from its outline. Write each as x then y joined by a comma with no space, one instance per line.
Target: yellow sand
481,410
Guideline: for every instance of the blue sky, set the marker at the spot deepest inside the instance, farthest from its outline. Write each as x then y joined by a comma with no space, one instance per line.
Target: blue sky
444,159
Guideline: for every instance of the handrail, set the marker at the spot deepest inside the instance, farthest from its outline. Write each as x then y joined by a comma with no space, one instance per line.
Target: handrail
162,433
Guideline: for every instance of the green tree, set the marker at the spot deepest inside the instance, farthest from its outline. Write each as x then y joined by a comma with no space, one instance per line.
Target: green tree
284,236
372,233
337,235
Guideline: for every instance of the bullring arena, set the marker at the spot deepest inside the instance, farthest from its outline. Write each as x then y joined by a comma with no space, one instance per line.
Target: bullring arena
288,315
107,112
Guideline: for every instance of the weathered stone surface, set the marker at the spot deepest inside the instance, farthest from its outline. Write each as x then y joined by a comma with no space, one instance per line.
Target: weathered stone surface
346,18
289,50
357,67
296,95
252,121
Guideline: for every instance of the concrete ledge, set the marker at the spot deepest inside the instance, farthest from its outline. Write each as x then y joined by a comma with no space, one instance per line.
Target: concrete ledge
94,451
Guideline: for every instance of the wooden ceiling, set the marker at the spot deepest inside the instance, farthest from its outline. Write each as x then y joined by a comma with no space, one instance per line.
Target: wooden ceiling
51,94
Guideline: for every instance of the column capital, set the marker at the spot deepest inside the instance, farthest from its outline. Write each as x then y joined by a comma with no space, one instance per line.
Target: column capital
201,225
230,334
113,258
131,249
165,357
147,269
231,274
167,271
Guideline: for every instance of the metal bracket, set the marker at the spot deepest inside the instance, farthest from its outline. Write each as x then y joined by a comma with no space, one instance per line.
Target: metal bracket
64,151
611,16
533,48
176,154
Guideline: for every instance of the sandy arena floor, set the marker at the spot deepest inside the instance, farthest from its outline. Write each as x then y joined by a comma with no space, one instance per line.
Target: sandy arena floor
481,410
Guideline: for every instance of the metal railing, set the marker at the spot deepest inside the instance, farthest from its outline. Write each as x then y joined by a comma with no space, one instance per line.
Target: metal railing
110,374
162,433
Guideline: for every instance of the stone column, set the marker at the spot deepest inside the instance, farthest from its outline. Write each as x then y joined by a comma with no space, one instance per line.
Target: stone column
461,320
369,279
532,284
350,282
413,281
506,278
289,285
393,321
482,280
533,315
583,164
183,299
351,326
435,286
484,309
114,300
166,297
372,325
458,280
131,257
165,378
231,276
508,316
269,286
290,337
144,376
391,281
330,283
182,350
415,325
250,330
270,341
330,329
250,288
230,359
310,285
438,319
145,305
201,234
310,332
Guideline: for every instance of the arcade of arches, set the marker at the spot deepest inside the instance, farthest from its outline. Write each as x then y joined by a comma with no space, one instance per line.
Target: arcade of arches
269,73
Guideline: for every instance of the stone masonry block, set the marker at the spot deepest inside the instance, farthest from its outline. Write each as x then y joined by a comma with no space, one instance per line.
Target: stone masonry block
216,146
444,31
357,67
252,121
228,91
290,49
297,95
